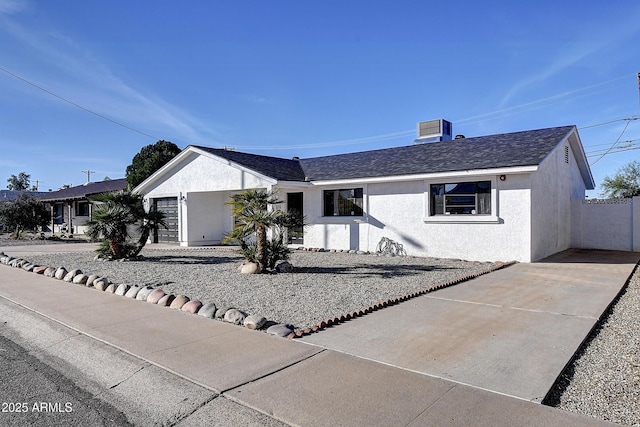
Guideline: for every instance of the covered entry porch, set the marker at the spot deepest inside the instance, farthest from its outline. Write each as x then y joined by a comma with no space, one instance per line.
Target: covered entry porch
203,218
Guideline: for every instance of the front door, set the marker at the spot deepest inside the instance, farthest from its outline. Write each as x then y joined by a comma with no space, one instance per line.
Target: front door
295,235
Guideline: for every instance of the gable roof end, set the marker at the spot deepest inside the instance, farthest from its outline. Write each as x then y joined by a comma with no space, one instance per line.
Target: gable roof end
273,167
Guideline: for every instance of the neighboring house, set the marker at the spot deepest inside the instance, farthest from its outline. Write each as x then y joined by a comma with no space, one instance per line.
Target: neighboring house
71,207
495,197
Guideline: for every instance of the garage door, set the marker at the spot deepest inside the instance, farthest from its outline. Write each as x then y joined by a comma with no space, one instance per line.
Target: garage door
168,205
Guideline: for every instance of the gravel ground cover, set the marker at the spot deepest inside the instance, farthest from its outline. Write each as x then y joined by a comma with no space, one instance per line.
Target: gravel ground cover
323,285
604,379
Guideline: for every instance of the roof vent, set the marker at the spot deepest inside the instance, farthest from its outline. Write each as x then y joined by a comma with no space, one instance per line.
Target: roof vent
460,136
434,131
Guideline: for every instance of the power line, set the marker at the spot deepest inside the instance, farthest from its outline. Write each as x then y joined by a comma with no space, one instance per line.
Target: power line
612,145
607,144
621,150
353,141
76,105
609,122
626,141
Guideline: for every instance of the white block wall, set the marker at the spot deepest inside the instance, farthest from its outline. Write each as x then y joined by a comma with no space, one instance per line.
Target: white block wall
606,224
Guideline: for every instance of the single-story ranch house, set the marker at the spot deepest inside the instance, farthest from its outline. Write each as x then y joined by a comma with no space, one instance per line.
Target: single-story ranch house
71,207
496,197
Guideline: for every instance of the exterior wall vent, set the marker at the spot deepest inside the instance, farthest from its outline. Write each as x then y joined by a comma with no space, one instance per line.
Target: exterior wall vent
434,131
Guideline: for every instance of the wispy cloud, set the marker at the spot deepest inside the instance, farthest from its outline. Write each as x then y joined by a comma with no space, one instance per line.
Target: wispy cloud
569,55
9,7
63,66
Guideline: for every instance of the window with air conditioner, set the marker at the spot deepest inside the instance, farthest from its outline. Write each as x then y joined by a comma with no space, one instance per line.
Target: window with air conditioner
460,198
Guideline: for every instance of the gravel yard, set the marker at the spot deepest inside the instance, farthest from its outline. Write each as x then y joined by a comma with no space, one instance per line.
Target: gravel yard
323,285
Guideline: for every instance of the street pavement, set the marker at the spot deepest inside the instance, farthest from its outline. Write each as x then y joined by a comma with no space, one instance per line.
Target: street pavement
33,393
162,366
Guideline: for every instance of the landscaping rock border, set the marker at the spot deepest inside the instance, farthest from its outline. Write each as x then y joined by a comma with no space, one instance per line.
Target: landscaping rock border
227,314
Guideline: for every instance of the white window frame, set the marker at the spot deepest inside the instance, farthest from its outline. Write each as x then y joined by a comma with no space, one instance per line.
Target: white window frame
462,219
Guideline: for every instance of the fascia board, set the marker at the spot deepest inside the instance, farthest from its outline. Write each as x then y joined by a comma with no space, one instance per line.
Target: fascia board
430,176
294,184
581,159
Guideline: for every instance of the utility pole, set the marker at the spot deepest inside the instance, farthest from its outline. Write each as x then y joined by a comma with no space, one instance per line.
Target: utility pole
88,172
38,182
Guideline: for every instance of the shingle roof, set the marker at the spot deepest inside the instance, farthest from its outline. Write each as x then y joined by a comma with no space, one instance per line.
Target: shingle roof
85,190
274,167
524,148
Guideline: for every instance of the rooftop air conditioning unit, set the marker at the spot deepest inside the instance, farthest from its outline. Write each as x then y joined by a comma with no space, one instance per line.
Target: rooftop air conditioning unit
434,131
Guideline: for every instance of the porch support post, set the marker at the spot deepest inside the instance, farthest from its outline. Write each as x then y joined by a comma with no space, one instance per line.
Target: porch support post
69,222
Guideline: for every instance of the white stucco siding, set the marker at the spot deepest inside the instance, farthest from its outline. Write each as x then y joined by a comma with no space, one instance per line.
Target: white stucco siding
209,217
509,238
328,232
554,185
606,224
398,211
199,173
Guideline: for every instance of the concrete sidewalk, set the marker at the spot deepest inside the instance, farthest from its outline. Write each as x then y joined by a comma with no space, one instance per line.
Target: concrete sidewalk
311,385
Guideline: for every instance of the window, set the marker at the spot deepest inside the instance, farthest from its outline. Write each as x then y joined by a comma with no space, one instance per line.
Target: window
82,208
461,198
347,202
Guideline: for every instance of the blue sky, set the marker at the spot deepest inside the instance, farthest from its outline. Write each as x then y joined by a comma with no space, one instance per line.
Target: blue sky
304,78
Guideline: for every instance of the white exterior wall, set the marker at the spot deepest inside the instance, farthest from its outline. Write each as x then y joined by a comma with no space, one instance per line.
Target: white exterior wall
203,185
328,232
209,218
507,239
606,224
554,185
199,173
399,211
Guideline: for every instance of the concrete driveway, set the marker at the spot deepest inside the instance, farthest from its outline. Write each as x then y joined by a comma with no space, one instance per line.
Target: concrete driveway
511,332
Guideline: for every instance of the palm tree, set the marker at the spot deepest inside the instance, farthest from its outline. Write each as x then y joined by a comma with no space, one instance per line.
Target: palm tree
110,222
150,221
112,219
251,211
